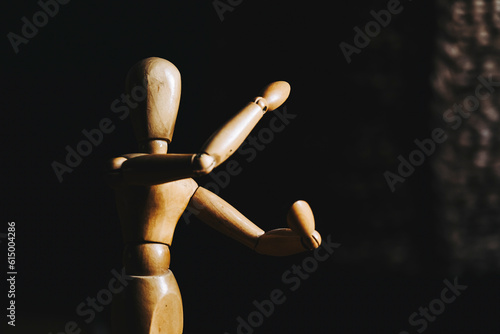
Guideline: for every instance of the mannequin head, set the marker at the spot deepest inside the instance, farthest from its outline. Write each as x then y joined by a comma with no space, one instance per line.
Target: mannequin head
154,117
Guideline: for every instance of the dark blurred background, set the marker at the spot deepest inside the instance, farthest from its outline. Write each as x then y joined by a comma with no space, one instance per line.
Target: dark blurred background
354,119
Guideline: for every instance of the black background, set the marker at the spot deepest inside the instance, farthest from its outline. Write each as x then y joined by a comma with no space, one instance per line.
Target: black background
352,122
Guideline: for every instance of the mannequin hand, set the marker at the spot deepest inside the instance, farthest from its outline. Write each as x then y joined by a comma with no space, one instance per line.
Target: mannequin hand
275,94
300,219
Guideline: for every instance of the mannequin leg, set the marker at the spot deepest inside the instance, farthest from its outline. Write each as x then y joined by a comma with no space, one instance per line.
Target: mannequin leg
148,305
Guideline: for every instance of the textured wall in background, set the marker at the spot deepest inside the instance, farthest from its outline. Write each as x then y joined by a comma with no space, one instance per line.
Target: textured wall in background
467,105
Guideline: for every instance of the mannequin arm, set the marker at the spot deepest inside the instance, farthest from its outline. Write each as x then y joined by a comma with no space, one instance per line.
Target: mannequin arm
220,215
231,135
150,169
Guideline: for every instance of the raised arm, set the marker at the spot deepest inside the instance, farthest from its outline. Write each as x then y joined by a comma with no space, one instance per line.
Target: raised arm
152,169
231,135
221,216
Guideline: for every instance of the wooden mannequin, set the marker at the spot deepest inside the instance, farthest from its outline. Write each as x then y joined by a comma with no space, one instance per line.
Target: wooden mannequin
154,188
